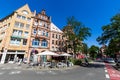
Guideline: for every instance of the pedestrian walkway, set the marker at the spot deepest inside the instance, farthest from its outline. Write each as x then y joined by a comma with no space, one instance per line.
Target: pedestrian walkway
27,67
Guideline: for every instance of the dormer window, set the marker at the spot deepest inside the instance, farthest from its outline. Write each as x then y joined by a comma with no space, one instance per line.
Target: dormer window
25,12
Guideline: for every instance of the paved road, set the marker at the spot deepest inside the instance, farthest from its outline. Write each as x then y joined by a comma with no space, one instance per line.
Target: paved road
94,71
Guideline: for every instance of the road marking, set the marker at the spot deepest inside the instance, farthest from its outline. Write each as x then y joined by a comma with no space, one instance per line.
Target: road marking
1,73
51,72
17,67
15,72
6,68
105,68
106,71
63,71
107,76
40,72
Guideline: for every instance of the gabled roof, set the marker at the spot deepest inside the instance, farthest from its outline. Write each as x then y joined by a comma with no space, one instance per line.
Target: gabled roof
55,28
25,7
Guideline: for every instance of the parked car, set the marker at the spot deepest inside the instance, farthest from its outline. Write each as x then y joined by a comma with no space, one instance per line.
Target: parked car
109,60
99,60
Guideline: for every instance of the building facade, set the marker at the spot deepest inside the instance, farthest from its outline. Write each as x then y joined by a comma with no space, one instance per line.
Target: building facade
15,31
56,39
40,35
24,34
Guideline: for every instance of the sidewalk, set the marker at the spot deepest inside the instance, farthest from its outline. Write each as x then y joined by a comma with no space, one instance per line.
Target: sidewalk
27,67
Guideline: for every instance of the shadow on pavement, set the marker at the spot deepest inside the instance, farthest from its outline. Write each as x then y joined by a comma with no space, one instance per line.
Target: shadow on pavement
93,65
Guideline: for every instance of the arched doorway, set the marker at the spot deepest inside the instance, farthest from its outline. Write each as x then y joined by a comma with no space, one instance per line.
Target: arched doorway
33,56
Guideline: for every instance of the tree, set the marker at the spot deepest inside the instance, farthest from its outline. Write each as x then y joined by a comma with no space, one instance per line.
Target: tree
93,51
75,33
111,34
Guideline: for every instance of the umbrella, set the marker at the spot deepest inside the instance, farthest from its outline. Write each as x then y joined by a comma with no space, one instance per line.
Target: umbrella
65,54
48,53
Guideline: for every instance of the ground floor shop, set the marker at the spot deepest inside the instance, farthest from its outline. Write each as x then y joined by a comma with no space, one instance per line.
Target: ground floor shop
12,56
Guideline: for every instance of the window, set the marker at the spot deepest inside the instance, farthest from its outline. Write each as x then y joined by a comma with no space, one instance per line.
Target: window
53,47
59,42
52,41
43,33
40,23
26,34
56,43
39,32
35,23
8,24
24,41
19,24
15,41
45,25
59,37
27,26
18,16
52,35
35,42
25,12
2,33
47,34
23,17
17,32
44,43
56,36
34,31
28,19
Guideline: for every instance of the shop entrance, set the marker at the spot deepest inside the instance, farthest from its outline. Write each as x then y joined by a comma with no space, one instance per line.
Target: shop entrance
9,58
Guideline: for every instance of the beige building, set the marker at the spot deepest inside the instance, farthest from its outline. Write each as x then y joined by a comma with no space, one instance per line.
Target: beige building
15,31
24,34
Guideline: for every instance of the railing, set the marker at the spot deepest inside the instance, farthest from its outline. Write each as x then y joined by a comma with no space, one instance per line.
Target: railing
15,52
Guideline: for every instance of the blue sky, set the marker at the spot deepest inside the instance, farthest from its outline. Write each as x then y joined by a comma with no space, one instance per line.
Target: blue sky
92,13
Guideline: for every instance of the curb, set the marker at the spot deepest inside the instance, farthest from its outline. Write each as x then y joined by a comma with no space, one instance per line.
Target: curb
45,69
116,68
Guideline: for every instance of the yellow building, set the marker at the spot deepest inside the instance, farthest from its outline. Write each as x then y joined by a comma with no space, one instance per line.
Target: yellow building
15,31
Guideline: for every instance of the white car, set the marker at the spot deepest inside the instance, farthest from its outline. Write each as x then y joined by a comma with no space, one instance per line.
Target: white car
109,60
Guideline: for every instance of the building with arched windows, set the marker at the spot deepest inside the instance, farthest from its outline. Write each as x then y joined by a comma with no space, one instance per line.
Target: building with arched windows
40,35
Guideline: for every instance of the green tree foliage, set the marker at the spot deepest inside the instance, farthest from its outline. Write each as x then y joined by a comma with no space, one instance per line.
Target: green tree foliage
75,32
93,51
111,34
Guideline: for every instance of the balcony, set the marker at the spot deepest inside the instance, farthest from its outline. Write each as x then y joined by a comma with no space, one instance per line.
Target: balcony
19,36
